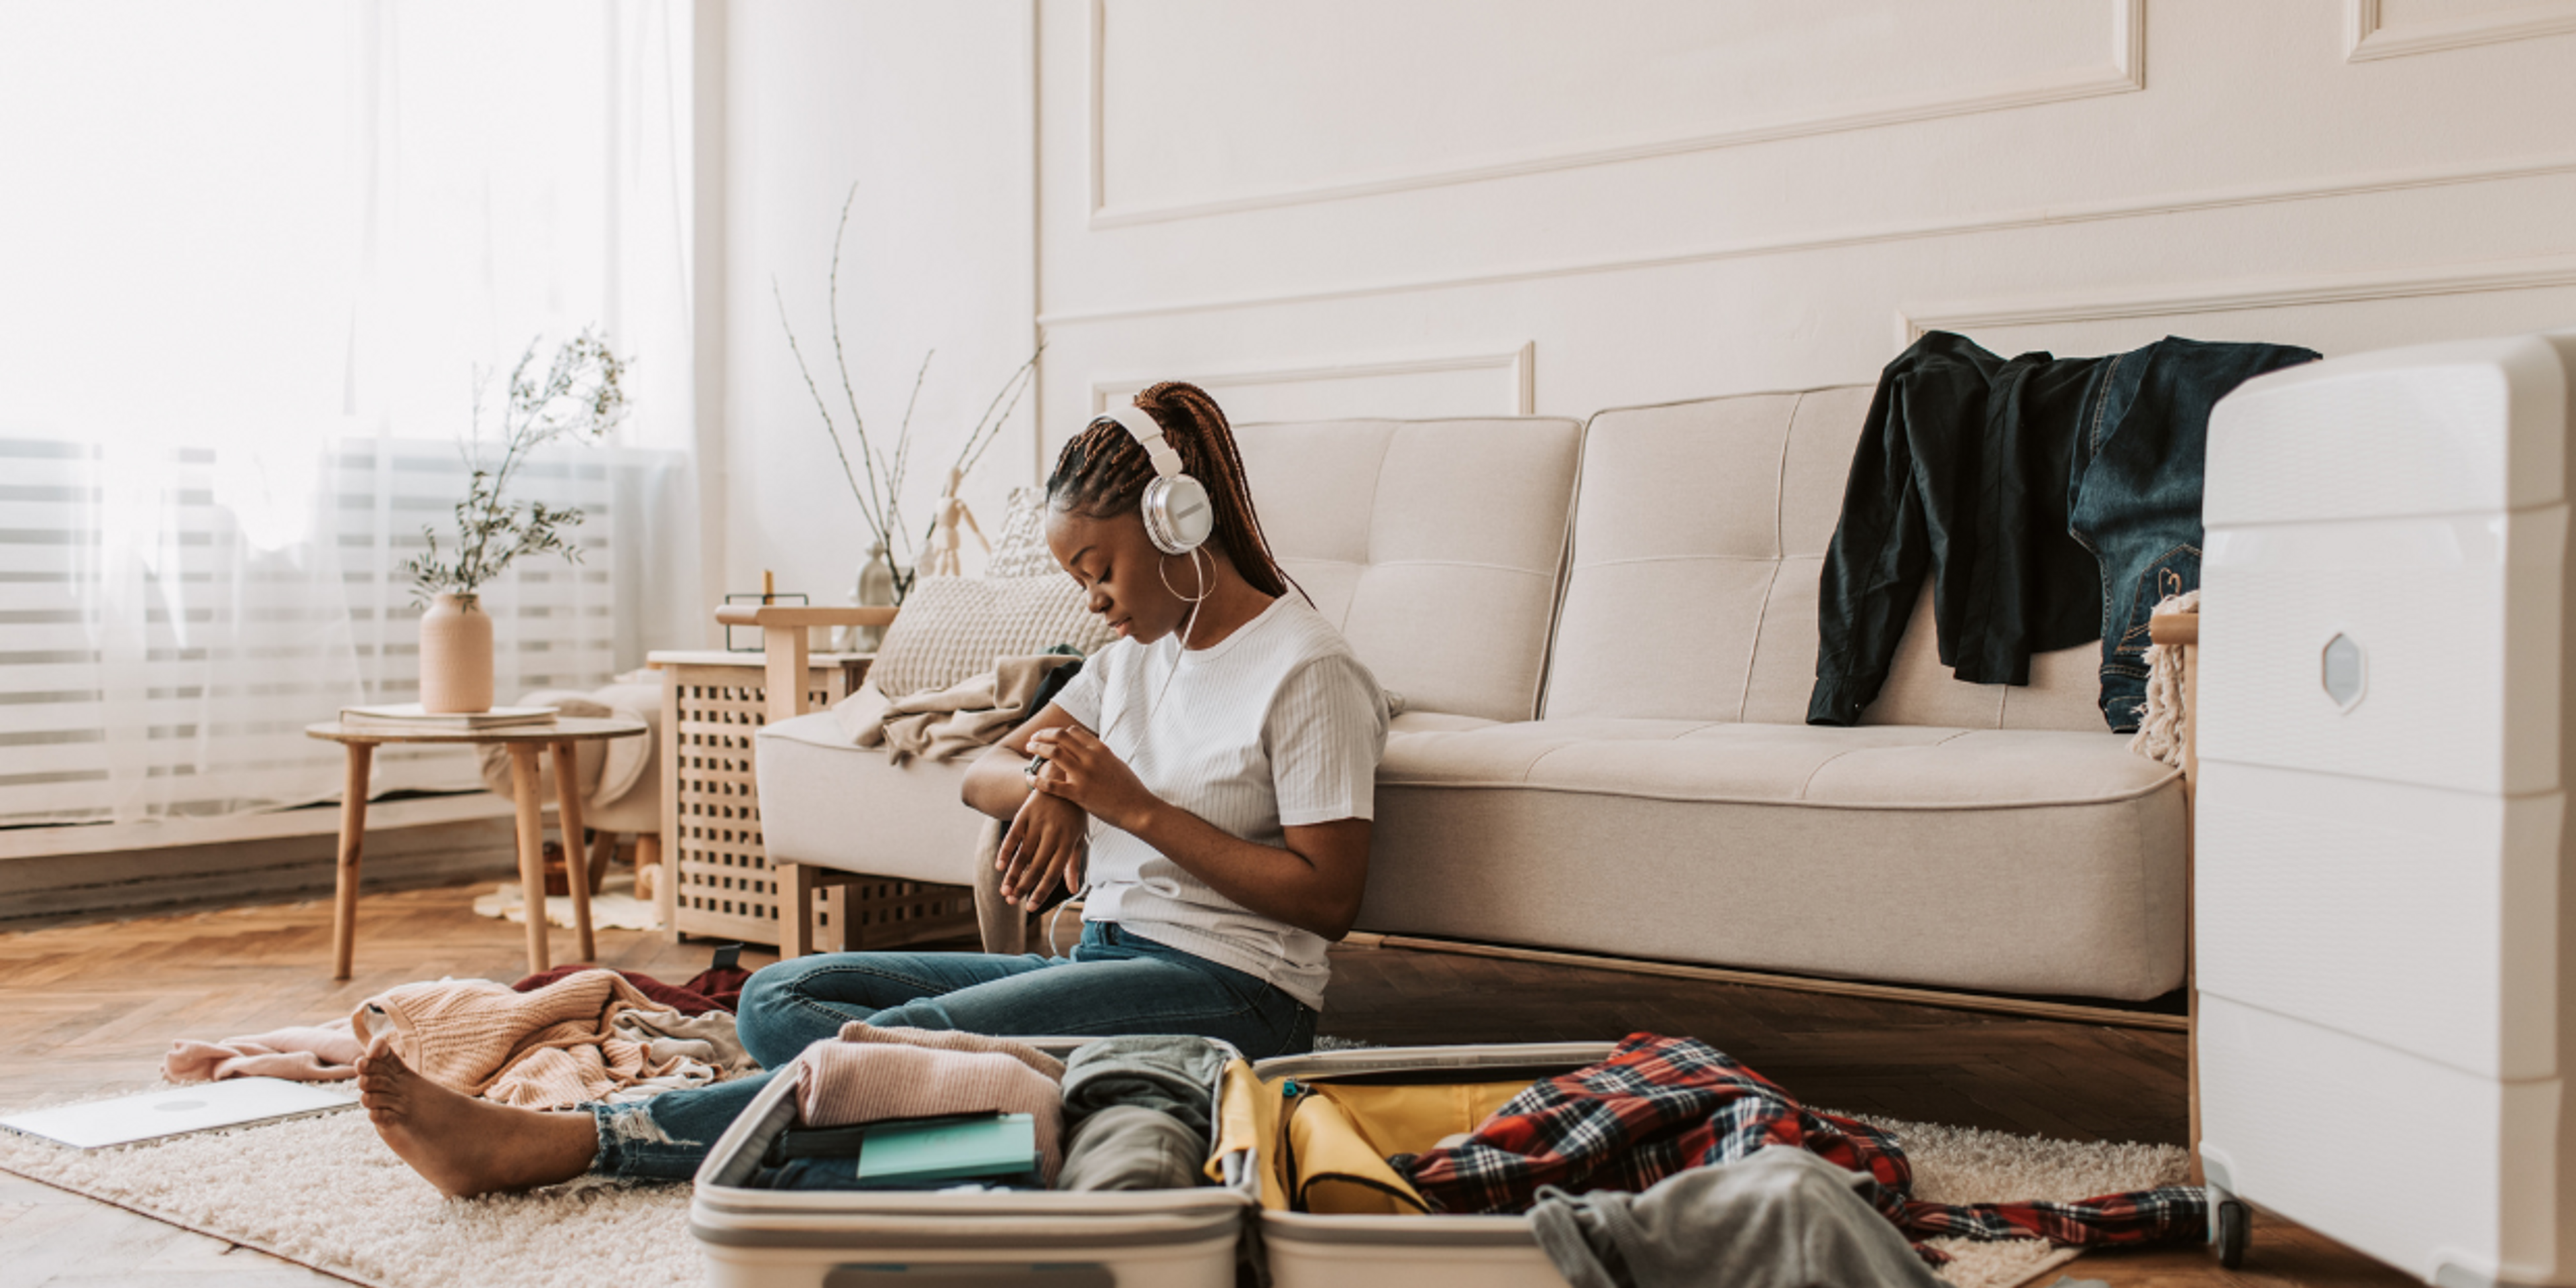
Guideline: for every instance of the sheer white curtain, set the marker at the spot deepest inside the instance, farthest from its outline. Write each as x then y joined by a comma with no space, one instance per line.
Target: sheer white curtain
251,256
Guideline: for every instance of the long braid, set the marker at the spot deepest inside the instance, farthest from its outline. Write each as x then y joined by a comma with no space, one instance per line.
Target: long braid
1102,472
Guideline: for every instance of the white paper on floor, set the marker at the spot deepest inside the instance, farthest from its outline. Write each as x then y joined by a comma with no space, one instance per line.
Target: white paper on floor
615,907
179,1111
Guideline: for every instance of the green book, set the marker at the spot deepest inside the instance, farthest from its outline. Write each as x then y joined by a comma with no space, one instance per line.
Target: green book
949,1149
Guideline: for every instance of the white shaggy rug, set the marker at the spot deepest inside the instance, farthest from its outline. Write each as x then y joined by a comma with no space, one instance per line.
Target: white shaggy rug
325,1193
615,907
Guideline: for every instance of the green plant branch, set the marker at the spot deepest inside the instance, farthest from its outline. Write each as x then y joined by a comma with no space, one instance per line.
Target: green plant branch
582,395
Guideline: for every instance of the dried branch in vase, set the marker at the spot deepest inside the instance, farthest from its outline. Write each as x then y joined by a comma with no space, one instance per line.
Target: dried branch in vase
880,496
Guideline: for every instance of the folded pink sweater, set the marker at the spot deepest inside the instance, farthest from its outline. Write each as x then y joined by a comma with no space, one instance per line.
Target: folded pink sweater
874,1074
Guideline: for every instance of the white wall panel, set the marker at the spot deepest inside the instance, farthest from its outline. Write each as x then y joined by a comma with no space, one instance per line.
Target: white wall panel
1492,383
2395,28
1321,204
1202,108
1313,209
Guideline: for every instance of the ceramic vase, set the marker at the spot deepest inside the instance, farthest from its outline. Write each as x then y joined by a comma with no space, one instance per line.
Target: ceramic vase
455,655
875,590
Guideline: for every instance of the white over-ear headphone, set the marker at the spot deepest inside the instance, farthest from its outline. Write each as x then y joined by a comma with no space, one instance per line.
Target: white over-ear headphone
1176,510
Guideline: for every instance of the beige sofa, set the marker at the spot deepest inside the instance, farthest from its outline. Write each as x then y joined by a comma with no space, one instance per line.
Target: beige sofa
1604,634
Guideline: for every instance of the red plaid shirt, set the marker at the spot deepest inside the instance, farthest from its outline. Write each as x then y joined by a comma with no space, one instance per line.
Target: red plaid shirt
1659,1105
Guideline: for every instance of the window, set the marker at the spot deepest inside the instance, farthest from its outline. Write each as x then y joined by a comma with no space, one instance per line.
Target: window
255,254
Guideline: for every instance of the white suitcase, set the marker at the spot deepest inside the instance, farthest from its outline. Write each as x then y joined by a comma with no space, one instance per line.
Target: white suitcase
2384,919
1321,1250
759,1238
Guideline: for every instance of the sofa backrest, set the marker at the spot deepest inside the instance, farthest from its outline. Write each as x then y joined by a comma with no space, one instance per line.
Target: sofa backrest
1699,538
1436,545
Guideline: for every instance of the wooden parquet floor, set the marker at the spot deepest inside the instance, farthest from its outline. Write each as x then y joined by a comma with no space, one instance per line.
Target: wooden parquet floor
92,1007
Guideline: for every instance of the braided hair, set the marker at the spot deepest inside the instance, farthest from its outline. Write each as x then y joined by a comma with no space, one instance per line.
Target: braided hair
1102,474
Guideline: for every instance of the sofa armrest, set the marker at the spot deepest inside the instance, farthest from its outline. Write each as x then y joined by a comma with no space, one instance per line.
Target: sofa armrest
785,653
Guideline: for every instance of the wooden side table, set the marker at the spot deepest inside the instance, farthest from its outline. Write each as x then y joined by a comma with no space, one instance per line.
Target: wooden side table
526,742
715,878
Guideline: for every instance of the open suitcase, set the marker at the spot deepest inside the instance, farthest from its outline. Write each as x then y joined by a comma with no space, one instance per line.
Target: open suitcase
1300,1185
1316,1150
761,1238
1311,1132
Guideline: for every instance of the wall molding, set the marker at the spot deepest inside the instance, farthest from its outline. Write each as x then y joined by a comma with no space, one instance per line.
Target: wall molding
2366,37
1521,363
2124,73
2528,167
2240,294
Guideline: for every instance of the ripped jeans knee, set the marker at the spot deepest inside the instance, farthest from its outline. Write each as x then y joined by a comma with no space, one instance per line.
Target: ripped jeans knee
633,1145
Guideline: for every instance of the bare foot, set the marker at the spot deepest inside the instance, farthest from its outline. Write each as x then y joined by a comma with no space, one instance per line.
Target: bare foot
466,1146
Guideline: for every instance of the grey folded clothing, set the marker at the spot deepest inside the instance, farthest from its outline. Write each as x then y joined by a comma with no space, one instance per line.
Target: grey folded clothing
1131,1147
1172,1075
943,724
1782,1218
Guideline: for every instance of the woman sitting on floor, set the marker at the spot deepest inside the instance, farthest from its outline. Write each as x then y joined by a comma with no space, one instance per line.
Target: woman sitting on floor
1215,795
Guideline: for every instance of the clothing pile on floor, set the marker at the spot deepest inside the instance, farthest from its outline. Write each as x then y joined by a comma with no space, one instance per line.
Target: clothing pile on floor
551,1041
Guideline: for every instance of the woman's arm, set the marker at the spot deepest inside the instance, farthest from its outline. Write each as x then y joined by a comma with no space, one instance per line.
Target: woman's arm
998,783
1048,835
1314,883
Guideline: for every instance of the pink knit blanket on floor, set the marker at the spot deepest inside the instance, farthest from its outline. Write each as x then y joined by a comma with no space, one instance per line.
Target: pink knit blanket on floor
301,1053
549,1049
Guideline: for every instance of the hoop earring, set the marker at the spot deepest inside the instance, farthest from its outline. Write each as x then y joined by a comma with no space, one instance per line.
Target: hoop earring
1162,569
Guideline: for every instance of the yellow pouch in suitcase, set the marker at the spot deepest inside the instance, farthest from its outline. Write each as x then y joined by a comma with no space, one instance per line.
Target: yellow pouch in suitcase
1326,1150
1247,1118
1334,1167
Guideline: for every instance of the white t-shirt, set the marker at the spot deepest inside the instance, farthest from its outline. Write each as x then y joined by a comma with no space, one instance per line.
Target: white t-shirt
1277,725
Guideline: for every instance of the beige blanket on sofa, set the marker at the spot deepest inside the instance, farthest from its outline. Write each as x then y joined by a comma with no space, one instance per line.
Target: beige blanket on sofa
945,723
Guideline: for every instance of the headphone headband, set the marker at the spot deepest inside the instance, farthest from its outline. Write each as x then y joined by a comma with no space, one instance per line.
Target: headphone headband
1148,434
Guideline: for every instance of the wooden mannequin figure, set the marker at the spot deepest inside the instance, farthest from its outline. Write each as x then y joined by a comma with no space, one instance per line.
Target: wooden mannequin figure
939,554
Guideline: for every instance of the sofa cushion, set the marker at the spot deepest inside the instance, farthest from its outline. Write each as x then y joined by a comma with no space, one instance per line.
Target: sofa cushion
830,803
1434,545
1699,542
952,628
2025,861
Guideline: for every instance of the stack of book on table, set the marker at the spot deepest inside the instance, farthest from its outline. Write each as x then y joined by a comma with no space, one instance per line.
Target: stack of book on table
407,717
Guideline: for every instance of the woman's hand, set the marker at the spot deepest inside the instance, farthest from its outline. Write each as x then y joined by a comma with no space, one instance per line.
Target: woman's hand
1080,768
1048,841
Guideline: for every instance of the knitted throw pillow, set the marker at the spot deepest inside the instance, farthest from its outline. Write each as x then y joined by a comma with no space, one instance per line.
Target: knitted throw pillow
953,627
1021,549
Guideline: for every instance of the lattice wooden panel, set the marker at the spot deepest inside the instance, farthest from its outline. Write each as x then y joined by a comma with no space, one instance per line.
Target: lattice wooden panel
724,888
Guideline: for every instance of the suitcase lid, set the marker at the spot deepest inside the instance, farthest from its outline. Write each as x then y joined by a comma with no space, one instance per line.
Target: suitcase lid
1433,1059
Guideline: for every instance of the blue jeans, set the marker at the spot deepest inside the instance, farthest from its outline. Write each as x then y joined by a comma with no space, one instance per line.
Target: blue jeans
2141,447
1114,982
